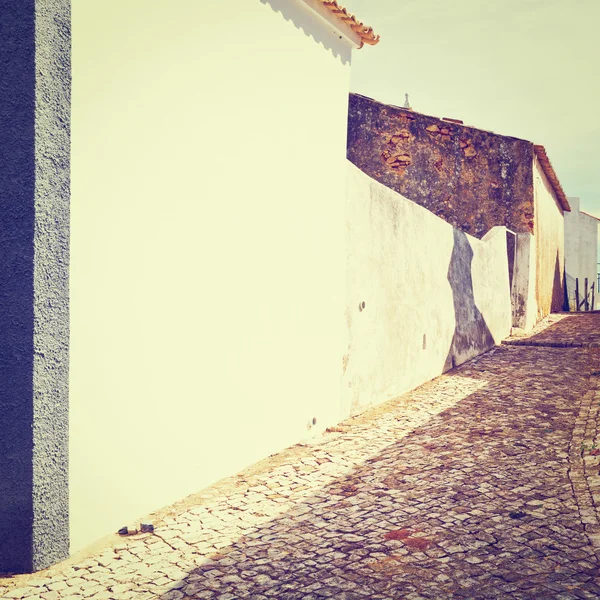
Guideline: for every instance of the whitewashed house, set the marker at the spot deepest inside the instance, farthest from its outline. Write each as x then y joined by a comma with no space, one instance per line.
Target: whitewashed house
207,252
209,177
581,251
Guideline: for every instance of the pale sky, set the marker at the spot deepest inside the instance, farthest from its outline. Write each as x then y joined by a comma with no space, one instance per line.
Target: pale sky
526,68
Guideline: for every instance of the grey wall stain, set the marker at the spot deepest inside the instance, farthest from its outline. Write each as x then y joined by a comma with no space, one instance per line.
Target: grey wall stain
471,330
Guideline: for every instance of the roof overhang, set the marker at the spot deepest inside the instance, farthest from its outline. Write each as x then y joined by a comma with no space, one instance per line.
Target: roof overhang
550,174
344,22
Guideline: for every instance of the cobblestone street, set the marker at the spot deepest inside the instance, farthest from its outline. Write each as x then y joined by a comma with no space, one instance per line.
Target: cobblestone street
480,484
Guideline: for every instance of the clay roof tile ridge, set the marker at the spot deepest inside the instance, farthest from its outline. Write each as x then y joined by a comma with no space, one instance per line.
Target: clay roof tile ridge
366,34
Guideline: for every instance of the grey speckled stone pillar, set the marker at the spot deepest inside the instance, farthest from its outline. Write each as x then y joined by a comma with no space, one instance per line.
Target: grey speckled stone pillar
35,73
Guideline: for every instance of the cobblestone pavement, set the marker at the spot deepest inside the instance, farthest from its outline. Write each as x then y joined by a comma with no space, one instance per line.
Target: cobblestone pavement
479,484
562,330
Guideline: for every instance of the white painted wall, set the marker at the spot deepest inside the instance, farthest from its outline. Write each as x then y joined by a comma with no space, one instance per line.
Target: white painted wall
549,236
524,296
398,265
207,274
581,243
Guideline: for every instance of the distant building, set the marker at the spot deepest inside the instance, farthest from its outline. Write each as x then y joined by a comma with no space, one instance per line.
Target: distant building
475,180
581,252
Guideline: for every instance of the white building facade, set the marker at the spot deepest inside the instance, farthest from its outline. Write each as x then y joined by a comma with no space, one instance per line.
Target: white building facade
207,242
581,251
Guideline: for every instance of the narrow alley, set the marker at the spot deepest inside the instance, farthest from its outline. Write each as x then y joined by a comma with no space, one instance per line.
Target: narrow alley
482,483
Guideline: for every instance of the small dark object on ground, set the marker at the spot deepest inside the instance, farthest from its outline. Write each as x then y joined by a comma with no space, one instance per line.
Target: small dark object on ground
144,528
516,514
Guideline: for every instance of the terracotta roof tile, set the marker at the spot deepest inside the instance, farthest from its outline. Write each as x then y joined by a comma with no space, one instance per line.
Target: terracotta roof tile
540,152
366,34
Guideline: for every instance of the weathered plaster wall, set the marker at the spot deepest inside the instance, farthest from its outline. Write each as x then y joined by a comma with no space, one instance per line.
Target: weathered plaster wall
523,290
581,243
433,296
549,240
471,178
34,257
207,278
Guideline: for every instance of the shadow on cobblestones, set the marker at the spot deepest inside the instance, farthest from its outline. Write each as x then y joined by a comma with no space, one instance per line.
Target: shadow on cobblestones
478,496
579,330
